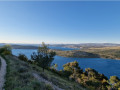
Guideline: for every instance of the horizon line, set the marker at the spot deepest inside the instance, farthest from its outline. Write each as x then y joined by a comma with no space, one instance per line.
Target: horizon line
62,43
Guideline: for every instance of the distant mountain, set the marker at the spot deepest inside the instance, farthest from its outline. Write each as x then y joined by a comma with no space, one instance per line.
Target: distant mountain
89,45
78,46
2,44
24,47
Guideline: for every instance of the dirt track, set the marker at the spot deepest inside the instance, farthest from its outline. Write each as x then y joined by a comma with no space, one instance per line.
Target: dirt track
2,73
47,82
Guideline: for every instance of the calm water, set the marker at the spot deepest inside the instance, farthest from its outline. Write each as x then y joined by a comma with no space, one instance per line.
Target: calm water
108,67
62,48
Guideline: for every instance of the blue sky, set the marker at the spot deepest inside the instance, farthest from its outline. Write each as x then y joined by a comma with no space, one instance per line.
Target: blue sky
60,22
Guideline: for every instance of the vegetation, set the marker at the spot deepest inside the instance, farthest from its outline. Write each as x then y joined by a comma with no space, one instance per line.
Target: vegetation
6,50
76,53
43,57
71,78
71,68
23,57
90,78
0,63
20,77
20,73
102,52
106,52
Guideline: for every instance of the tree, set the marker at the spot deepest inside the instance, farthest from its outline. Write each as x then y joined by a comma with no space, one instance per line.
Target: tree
23,57
72,68
54,66
44,56
113,80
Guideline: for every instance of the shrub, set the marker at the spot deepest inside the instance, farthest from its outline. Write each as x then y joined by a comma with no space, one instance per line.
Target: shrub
37,85
48,87
23,57
71,68
22,70
6,50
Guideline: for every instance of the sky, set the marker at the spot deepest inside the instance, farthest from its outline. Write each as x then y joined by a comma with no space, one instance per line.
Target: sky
60,22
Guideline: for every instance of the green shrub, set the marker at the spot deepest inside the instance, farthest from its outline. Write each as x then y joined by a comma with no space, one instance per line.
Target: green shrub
48,87
22,70
6,50
23,57
37,85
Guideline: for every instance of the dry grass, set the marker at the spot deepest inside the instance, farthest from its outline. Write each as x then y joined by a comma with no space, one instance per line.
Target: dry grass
105,48
20,77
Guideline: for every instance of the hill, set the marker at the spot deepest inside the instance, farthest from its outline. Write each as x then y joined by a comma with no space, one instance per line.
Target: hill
25,76
78,46
24,47
105,52
101,52
76,54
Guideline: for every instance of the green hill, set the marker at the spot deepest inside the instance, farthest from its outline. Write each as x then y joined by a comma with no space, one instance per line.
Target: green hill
20,76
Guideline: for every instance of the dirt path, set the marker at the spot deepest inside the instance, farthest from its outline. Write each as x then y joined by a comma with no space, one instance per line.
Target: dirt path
46,81
2,73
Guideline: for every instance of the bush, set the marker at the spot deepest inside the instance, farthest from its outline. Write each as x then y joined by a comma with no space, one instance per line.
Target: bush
37,85
6,50
22,70
23,57
48,87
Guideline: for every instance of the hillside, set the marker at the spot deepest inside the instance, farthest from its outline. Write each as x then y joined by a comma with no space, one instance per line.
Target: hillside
23,47
105,52
25,76
101,52
76,53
